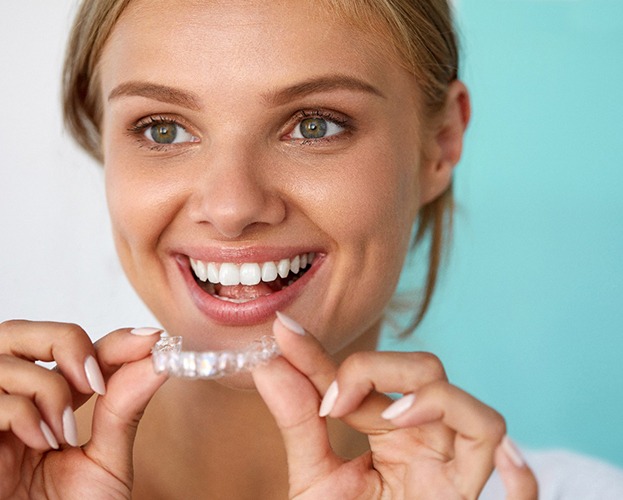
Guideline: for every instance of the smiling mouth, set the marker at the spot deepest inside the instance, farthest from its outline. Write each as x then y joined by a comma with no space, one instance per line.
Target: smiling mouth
243,282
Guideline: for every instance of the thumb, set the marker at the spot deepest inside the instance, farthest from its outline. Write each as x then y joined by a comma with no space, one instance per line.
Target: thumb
293,402
128,391
518,479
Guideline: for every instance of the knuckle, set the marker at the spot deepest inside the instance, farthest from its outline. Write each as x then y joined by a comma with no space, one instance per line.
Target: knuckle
10,325
358,362
497,425
21,405
71,332
57,385
431,364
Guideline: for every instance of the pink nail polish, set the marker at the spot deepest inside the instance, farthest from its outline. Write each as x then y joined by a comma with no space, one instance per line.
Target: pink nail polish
145,331
398,407
290,324
512,452
70,429
328,402
94,376
48,435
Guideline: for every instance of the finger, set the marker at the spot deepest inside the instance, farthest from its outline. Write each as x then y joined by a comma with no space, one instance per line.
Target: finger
19,416
293,401
478,429
117,414
124,345
385,372
519,481
67,344
366,373
308,356
48,391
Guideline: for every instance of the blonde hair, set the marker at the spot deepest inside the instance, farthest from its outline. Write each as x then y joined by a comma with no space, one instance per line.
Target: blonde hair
421,32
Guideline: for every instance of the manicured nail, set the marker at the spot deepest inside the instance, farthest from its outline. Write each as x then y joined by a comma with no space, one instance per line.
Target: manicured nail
49,437
512,452
145,331
329,399
94,376
398,407
70,430
290,324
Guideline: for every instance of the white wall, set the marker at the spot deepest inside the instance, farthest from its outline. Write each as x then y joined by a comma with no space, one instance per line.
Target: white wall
57,261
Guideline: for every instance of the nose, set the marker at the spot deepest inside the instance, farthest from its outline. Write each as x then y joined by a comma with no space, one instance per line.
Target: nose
233,193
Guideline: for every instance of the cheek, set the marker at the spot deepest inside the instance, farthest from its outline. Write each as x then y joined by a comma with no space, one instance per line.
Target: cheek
372,202
140,207
367,209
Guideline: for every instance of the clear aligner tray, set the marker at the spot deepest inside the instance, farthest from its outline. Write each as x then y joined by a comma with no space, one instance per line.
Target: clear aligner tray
168,357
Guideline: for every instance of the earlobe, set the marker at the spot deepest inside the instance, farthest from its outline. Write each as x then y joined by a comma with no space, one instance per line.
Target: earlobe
445,144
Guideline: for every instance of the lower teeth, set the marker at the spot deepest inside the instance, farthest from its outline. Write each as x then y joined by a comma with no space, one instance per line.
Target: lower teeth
210,288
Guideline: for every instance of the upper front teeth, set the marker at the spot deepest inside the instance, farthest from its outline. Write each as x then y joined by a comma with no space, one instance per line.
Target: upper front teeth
249,273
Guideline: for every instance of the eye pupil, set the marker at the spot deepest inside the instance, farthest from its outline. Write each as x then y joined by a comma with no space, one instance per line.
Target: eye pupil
313,128
164,133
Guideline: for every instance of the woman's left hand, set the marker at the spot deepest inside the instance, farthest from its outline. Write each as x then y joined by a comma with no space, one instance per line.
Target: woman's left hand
435,442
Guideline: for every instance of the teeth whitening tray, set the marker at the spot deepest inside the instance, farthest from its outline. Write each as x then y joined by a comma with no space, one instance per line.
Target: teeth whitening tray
168,357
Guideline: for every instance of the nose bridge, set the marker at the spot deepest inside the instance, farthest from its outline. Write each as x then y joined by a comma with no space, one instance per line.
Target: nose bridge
232,191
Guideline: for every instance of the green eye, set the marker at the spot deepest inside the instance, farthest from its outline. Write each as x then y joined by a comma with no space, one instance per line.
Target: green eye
316,127
166,132
313,128
163,133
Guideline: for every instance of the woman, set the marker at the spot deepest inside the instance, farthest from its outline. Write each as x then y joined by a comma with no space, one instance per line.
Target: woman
260,158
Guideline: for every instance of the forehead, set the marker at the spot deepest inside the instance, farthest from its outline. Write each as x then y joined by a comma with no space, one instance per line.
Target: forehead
204,44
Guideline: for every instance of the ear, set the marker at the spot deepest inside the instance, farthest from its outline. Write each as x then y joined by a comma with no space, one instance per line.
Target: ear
445,144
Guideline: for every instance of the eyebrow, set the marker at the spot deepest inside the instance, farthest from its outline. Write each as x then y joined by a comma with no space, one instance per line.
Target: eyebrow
157,92
321,84
190,100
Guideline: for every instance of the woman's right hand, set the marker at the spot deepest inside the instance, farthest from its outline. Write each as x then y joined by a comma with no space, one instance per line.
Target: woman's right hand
39,456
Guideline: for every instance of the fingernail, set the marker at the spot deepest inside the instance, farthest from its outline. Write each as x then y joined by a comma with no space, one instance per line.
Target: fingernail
512,452
94,376
70,430
49,437
329,399
290,324
145,331
398,407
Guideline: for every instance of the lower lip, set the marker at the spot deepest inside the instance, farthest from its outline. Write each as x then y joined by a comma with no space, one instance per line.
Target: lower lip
248,313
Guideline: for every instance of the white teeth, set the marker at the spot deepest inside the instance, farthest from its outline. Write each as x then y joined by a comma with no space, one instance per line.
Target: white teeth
212,273
269,272
229,274
283,267
200,269
295,265
249,273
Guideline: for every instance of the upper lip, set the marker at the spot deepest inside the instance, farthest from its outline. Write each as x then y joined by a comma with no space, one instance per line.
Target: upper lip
243,255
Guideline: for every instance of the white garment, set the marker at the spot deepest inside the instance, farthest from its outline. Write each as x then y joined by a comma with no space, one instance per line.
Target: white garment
563,475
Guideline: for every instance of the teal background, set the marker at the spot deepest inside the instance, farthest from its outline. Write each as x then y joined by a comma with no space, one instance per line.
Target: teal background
529,314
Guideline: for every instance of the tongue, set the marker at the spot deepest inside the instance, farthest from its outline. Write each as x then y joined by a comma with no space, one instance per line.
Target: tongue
244,292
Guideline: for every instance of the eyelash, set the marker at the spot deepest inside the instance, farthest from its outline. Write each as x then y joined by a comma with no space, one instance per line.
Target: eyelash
138,129
329,116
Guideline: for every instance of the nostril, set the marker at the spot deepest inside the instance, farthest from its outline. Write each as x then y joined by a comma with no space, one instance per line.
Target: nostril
234,200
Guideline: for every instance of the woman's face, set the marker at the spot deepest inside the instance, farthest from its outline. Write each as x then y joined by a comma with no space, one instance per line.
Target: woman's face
241,138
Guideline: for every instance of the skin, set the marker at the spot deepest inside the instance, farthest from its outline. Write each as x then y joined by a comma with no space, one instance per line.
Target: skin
241,183
244,185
